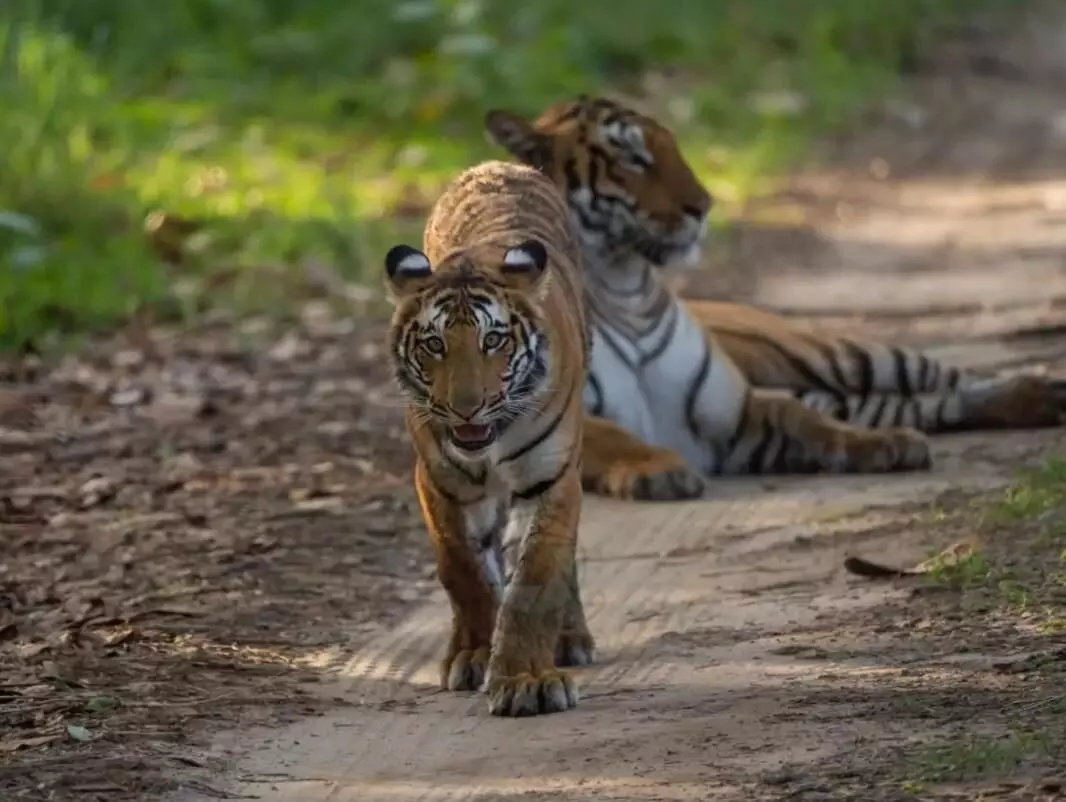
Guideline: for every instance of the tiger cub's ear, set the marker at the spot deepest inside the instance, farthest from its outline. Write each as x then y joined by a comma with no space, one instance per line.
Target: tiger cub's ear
525,267
517,136
406,270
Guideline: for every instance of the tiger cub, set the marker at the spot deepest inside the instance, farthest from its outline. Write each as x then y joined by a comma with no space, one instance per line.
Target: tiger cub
490,345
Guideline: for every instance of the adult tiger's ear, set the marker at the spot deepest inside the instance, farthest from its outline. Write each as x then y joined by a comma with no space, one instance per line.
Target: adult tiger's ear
515,134
525,267
406,270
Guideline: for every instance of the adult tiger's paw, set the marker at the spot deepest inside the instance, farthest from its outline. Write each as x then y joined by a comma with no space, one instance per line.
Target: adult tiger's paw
664,476
672,484
878,451
531,694
1017,402
465,670
913,449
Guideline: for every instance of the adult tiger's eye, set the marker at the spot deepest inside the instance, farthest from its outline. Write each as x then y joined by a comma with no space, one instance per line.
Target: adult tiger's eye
492,340
435,345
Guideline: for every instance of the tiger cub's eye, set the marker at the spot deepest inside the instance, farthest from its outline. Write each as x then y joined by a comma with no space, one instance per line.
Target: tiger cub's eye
435,345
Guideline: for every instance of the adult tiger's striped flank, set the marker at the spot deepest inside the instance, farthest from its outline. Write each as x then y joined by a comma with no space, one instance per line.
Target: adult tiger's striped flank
728,387
489,343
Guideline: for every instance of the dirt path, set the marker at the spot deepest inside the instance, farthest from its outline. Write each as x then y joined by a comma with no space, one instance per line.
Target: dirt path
713,620
736,660
215,527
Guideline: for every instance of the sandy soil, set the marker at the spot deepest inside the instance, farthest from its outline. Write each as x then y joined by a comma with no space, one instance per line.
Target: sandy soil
214,579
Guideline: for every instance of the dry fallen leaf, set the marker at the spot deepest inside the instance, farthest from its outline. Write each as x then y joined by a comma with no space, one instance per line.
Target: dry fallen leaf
79,733
16,410
128,397
96,491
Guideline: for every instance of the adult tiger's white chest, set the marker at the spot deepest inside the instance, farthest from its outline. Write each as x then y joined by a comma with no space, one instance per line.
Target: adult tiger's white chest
656,373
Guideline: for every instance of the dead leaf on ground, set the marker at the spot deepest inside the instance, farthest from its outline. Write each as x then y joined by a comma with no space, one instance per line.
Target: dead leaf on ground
17,410
96,491
79,733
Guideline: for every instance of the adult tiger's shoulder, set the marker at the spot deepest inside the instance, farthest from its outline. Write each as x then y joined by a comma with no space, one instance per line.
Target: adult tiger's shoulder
488,340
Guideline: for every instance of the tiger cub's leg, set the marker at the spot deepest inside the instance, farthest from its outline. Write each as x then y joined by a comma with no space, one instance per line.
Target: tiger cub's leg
780,433
469,585
575,646
617,463
522,679
1007,402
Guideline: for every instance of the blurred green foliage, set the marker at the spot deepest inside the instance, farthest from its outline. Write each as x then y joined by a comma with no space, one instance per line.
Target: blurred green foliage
296,128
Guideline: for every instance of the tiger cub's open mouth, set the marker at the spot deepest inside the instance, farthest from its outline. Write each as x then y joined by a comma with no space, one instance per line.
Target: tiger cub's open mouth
471,437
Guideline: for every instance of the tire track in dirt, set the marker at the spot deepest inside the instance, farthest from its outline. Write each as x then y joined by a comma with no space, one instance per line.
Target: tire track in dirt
691,691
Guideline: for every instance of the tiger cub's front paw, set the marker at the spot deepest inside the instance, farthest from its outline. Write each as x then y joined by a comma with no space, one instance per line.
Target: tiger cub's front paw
531,694
574,648
464,670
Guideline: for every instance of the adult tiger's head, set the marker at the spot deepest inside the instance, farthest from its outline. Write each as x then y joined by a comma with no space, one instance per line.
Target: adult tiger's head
467,341
627,184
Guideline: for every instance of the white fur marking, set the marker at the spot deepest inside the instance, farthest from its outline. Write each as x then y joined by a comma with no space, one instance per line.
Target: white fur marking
413,263
518,257
481,520
515,534
490,564
648,401
691,257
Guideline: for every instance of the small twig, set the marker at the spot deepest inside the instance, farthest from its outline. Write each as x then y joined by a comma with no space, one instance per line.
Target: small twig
208,701
217,793
175,611
68,760
99,787
269,777
1032,707
169,595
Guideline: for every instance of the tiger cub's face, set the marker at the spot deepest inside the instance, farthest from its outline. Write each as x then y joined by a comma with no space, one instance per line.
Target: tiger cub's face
466,340
627,184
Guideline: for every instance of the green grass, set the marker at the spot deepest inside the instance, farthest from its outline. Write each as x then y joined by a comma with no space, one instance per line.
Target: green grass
977,757
1015,587
294,129
963,573
1022,569
1037,493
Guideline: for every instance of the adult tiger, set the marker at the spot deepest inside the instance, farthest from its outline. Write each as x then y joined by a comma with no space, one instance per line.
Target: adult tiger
638,205
490,343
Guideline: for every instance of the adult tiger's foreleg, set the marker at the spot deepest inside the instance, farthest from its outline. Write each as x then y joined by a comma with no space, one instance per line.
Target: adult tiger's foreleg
617,463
